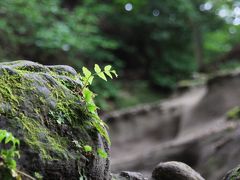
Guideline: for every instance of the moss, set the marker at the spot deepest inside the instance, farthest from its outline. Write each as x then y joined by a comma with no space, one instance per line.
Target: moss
42,140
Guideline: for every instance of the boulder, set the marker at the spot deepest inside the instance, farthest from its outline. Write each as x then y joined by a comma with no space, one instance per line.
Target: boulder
175,170
42,107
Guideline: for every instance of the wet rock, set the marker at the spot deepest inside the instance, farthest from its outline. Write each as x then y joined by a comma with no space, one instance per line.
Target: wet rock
175,170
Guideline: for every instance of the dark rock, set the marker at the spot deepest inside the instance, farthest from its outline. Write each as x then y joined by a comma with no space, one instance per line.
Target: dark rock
175,170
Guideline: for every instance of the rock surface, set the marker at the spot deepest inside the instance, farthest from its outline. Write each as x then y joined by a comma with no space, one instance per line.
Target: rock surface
175,170
40,105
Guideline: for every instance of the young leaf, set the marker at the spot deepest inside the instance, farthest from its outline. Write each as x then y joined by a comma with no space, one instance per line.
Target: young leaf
108,73
87,148
97,69
87,94
102,153
107,68
92,107
102,75
114,72
8,139
90,79
86,72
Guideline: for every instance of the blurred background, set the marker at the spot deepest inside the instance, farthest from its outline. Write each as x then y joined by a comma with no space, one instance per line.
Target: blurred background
156,46
153,44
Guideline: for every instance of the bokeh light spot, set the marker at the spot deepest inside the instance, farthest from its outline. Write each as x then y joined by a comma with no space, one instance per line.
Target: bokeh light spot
128,6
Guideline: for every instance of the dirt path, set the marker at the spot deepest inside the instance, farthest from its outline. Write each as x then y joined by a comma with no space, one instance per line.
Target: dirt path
187,127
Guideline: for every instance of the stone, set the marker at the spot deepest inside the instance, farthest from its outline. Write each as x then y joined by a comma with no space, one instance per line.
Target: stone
175,170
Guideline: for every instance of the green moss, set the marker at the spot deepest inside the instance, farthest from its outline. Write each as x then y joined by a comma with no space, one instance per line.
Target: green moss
42,140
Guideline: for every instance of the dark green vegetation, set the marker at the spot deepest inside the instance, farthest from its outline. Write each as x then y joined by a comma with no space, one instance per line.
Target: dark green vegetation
52,112
8,155
156,42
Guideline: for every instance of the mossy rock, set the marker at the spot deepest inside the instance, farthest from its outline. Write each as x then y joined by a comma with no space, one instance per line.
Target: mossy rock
41,105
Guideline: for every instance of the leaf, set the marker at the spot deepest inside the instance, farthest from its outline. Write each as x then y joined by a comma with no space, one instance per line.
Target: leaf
114,72
87,148
8,139
97,69
90,79
86,72
87,94
107,68
108,73
2,136
92,107
102,153
102,75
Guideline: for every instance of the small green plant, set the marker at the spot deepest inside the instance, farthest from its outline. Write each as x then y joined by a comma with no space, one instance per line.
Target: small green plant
88,96
8,152
87,148
102,153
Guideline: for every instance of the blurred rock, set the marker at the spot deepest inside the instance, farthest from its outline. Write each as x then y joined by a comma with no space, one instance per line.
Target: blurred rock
175,171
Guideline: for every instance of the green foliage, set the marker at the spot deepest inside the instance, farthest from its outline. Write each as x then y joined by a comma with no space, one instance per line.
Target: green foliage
155,39
64,36
102,153
88,96
87,148
9,152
